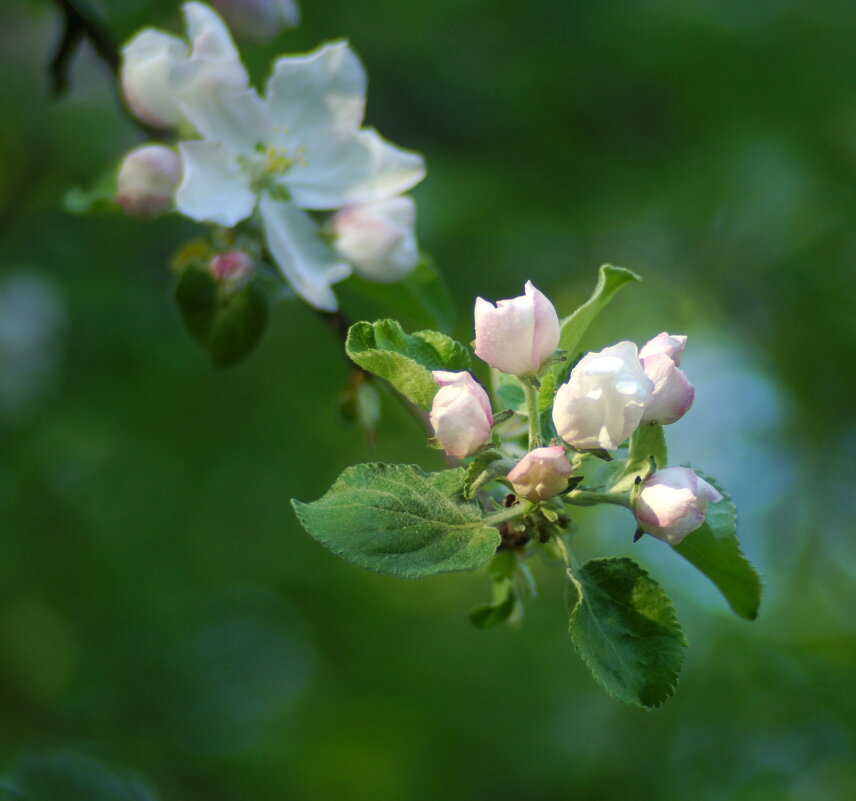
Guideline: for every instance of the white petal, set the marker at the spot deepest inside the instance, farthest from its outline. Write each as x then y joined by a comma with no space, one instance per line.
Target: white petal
213,188
221,110
307,263
146,64
318,95
362,169
208,33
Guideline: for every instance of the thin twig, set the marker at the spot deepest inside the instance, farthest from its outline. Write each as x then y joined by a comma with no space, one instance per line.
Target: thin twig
80,25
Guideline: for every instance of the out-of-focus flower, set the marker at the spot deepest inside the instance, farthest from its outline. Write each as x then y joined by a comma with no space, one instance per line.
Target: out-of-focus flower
673,393
148,177
460,414
518,335
234,269
152,57
541,474
673,503
378,238
258,20
604,399
302,147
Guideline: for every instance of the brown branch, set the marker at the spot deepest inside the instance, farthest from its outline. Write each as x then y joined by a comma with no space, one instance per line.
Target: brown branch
80,25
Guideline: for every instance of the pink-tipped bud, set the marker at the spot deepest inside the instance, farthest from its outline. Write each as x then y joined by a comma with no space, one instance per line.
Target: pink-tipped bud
604,399
673,503
519,335
460,414
541,474
673,393
147,61
233,269
258,20
378,238
147,180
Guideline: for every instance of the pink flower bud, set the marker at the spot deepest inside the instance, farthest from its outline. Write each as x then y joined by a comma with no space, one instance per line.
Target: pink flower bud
460,414
517,336
604,399
378,238
673,502
147,180
234,269
258,20
541,474
673,393
147,61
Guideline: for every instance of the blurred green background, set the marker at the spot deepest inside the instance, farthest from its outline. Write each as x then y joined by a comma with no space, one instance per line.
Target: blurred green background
166,629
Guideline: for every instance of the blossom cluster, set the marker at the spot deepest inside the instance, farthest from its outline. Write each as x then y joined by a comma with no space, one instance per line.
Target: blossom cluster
607,396
295,163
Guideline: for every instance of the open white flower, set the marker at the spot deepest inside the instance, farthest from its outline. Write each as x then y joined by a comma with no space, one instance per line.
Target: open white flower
301,147
150,57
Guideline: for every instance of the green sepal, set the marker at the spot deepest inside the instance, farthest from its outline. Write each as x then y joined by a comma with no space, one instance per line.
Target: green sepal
405,360
228,325
714,550
624,627
400,521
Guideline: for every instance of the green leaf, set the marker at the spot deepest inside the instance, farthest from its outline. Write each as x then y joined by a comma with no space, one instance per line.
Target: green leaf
98,199
405,360
646,443
504,604
401,521
714,550
624,627
421,297
485,467
227,324
610,280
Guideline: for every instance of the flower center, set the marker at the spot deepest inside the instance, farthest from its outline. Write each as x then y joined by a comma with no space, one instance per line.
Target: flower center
268,164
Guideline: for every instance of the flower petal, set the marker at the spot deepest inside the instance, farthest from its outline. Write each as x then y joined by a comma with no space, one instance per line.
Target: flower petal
362,169
213,188
307,263
208,34
318,95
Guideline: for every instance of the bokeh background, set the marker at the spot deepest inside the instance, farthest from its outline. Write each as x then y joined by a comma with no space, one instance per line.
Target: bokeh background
166,629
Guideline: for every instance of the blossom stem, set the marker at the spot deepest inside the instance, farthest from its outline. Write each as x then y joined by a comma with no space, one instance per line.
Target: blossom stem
589,498
519,510
532,411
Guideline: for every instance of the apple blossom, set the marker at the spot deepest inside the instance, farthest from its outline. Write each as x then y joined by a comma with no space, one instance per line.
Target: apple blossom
258,20
234,269
460,413
519,335
673,393
673,502
302,147
541,474
378,238
604,399
150,60
147,180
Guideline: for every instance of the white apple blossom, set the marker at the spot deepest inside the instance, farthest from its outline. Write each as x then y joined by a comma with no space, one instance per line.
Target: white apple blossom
673,503
673,393
258,20
301,147
518,335
541,474
150,58
378,238
460,413
604,399
147,180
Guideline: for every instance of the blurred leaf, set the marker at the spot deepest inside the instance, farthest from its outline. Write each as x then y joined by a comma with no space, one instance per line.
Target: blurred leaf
229,325
399,520
67,776
715,551
98,199
625,629
610,280
405,360
421,297
501,570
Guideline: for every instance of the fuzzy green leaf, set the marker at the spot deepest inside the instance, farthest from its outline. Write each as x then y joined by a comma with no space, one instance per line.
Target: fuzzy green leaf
714,550
399,520
405,360
624,627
